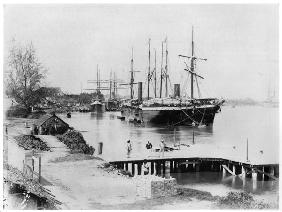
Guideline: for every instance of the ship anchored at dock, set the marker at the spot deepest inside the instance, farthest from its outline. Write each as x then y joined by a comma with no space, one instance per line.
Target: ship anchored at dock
174,110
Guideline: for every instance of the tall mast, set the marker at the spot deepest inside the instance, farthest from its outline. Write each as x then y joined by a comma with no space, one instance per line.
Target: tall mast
111,85
132,77
149,73
166,75
115,85
161,73
155,78
97,80
192,67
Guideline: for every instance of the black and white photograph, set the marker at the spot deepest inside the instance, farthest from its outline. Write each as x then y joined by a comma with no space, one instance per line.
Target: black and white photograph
125,106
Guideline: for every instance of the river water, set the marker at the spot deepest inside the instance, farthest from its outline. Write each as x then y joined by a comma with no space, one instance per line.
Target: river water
231,130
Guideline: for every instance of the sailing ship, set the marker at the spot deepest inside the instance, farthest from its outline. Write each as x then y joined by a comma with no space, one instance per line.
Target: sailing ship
175,110
113,102
97,105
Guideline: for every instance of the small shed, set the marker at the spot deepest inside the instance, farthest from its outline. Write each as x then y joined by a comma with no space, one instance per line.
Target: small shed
50,125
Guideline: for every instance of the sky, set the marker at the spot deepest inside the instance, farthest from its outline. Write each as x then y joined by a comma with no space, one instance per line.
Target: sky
240,43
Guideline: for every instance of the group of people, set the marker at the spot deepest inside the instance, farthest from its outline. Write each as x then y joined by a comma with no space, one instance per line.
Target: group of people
148,146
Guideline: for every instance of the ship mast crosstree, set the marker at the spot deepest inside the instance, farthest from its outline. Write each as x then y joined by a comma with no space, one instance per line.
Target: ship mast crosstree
191,69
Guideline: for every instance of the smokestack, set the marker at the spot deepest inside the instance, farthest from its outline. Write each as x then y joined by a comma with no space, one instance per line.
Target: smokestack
176,90
140,91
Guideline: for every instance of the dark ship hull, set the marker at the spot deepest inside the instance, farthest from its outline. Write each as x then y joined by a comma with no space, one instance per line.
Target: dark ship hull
97,107
195,115
112,105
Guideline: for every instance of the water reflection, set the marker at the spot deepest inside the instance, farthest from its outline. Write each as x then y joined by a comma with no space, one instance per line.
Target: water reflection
232,182
96,116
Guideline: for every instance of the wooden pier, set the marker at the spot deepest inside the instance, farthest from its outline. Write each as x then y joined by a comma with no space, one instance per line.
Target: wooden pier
164,166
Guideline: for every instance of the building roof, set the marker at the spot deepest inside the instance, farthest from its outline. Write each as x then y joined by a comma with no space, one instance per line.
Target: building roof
44,118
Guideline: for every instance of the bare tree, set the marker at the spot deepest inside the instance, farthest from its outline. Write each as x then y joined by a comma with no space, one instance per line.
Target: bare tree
25,75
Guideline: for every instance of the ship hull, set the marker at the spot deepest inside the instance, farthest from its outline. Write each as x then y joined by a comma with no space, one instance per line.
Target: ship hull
173,116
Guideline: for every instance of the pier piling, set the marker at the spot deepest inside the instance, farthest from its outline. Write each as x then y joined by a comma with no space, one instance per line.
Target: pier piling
165,166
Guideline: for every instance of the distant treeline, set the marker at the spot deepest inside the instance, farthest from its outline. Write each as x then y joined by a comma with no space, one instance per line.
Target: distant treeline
245,101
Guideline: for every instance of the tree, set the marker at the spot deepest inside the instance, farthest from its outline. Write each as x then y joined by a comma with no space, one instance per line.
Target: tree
25,76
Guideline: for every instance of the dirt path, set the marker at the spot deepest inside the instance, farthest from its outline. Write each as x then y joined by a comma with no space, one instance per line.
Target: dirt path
78,182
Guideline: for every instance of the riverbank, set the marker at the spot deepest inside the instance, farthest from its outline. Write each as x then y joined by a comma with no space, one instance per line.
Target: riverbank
79,182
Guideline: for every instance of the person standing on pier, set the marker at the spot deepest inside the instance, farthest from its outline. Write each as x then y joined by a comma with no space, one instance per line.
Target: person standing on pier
128,148
149,145
162,148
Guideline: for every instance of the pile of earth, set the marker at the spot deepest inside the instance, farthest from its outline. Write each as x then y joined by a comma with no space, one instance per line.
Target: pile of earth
112,169
75,141
29,142
243,200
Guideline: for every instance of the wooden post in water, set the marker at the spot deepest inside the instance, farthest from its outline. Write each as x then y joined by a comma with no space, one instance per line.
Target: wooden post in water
152,167
163,164
197,167
259,174
276,171
139,168
132,169
155,169
171,167
135,169
167,170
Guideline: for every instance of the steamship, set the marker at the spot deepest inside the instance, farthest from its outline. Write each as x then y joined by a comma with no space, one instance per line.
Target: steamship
174,110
